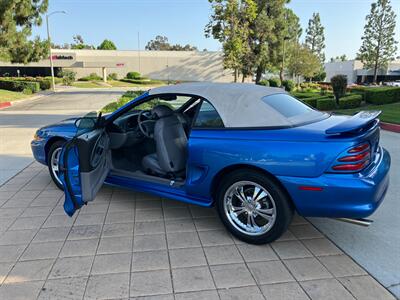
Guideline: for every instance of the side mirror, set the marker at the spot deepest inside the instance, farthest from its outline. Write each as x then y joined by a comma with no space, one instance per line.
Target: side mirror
85,123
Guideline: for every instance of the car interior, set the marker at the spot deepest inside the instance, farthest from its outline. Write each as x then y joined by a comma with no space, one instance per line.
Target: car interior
149,141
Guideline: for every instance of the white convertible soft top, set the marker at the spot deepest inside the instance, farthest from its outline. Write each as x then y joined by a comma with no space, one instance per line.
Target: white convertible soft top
238,104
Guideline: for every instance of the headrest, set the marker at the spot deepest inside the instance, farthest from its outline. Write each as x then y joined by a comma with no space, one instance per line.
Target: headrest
162,111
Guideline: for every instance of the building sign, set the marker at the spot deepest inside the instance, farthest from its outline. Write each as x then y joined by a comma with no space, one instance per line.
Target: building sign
120,65
62,57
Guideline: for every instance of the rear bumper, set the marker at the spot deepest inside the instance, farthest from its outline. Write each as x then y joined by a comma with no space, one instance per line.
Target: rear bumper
342,195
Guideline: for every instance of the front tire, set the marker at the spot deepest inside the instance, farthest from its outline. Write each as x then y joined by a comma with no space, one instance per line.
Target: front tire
253,207
52,162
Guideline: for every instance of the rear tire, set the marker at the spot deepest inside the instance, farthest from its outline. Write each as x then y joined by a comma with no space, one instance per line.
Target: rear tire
52,162
253,207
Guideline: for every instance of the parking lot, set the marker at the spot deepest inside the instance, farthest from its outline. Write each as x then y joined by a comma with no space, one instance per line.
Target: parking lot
127,245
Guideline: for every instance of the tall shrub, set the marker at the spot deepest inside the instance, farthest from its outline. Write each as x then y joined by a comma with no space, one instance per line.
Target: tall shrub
339,84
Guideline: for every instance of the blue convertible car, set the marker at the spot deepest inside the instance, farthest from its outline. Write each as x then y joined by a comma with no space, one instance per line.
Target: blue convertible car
256,153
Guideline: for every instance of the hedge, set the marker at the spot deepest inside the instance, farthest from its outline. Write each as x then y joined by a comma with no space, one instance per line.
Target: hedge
382,95
19,85
352,101
313,100
326,104
303,95
44,82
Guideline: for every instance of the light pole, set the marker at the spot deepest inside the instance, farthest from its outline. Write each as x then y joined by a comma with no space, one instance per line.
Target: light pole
49,41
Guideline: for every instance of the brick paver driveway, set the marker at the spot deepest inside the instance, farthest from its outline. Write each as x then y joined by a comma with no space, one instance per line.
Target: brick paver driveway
127,245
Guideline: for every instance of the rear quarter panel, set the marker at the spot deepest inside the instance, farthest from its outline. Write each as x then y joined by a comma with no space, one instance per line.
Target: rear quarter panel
304,151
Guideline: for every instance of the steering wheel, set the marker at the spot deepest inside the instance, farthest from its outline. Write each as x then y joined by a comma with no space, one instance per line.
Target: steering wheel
146,126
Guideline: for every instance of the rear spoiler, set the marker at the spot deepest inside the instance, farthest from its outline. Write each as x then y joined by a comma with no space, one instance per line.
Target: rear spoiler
356,122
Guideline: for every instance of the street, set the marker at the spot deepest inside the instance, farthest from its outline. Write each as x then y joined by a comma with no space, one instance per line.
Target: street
376,249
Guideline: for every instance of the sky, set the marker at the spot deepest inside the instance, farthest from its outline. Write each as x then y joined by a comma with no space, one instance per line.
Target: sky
183,21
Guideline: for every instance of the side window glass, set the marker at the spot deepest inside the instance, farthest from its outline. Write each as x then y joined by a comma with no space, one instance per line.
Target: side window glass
208,117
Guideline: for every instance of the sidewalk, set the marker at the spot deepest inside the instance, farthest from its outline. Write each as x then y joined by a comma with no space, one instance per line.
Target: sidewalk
128,244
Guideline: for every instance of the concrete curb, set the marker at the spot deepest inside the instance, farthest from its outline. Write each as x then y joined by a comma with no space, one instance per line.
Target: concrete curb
390,127
5,104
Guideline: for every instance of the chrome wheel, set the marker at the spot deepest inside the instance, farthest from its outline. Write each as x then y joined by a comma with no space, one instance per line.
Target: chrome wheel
250,208
54,164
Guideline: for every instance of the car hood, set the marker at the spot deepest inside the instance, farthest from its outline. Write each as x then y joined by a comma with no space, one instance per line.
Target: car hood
64,123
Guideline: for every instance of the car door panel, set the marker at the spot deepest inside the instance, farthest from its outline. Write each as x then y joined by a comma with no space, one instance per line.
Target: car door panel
85,162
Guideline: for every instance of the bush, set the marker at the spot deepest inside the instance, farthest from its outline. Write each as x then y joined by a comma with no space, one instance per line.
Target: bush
125,98
289,85
351,101
339,85
274,82
326,104
19,85
303,95
112,76
310,101
313,100
263,82
27,91
68,76
91,77
133,75
384,95
44,83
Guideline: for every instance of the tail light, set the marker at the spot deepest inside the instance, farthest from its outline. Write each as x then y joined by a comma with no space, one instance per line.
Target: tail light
356,159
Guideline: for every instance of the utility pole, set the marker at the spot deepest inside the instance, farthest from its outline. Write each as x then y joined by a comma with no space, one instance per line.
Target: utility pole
49,41
138,41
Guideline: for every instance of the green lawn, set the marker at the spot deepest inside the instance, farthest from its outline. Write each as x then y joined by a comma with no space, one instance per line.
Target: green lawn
390,112
118,83
7,96
88,84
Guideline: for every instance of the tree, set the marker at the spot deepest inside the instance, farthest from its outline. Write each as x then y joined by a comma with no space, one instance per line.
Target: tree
339,85
339,58
160,43
268,35
315,39
107,45
303,62
378,43
16,21
230,24
80,44
289,38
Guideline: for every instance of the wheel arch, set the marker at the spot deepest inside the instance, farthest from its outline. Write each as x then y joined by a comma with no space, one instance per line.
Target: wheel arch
234,168
50,142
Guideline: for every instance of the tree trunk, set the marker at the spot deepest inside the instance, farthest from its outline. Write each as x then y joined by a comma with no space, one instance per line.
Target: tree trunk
258,74
243,77
235,75
375,71
281,75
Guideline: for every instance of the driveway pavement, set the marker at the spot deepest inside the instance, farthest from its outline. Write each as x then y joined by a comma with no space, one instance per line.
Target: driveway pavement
18,123
128,244
376,248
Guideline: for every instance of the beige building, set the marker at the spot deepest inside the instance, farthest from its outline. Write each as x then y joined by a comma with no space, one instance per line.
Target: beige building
165,65
355,72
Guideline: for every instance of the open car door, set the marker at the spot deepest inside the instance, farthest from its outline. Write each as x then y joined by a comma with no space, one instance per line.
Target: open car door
85,163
